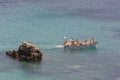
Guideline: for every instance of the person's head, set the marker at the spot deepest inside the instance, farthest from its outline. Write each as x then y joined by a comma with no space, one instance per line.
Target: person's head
77,40
72,38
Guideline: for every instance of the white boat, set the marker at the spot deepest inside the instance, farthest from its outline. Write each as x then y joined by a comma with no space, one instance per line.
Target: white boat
93,45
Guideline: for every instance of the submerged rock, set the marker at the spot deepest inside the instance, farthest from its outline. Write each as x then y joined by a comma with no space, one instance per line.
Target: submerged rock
26,52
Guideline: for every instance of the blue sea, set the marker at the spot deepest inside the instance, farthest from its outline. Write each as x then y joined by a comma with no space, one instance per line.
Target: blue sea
45,23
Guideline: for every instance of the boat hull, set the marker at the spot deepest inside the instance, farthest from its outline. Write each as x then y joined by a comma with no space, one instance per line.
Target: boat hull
81,46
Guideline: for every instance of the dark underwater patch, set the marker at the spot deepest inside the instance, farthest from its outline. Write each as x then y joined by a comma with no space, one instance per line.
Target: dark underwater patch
16,3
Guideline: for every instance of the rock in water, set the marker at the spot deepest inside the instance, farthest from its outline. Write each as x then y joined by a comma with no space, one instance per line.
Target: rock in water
26,52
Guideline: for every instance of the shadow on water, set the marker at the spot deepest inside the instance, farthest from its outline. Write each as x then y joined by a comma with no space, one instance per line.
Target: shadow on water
81,50
31,67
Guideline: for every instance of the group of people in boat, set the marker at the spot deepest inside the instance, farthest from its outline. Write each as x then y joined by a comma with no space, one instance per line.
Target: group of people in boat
77,42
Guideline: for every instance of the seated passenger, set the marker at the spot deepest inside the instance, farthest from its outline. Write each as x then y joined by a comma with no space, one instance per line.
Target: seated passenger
72,42
84,43
77,42
65,41
92,41
88,42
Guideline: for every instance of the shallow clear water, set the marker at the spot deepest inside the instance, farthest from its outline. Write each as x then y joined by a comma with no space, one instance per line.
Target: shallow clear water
45,23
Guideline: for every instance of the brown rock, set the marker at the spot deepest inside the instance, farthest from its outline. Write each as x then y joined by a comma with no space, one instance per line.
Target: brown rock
26,52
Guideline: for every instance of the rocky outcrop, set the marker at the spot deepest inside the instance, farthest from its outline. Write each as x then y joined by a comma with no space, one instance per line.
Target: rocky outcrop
26,52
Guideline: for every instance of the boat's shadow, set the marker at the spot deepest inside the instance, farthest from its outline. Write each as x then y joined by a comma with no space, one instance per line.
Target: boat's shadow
80,50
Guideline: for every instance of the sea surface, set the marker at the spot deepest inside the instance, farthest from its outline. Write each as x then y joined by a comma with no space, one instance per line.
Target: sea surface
45,23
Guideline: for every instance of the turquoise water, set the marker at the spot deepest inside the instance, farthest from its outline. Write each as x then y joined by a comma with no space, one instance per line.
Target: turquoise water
45,23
